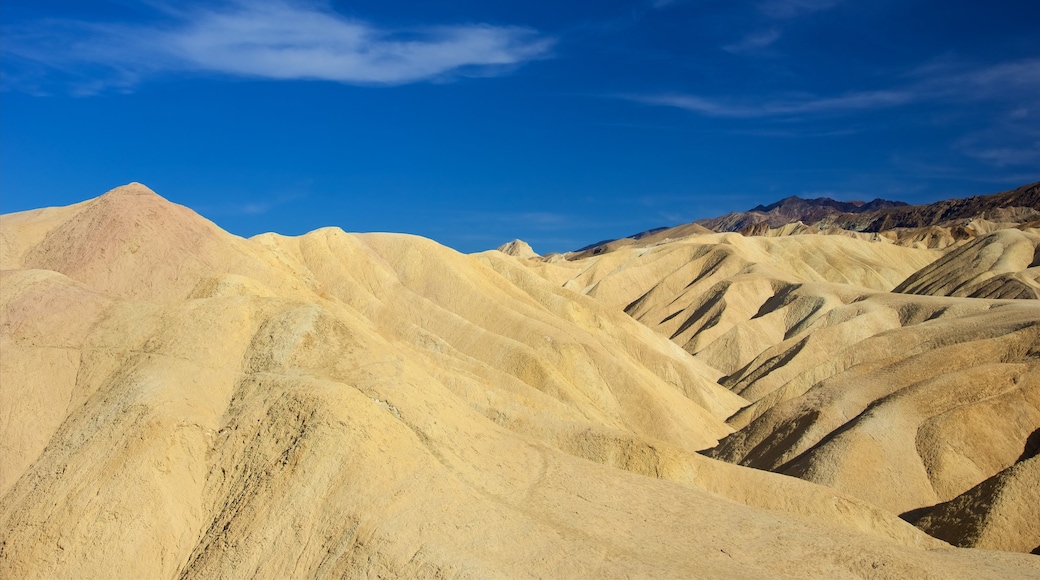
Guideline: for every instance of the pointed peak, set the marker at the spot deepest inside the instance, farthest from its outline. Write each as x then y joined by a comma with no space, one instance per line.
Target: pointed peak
132,188
133,231
518,248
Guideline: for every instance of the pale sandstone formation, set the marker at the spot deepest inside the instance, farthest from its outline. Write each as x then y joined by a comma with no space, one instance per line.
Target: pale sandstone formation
1000,513
179,402
1001,264
930,237
519,249
903,418
902,401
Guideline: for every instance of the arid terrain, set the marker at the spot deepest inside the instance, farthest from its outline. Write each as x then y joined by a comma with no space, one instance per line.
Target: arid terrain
855,397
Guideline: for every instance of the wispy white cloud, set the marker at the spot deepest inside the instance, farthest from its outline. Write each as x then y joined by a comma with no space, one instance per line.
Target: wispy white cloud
754,42
782,9
1020,113
1008,156
1012,142
805,105
271,39
908,167
995,81
792,134
776,10
251,207
1009,81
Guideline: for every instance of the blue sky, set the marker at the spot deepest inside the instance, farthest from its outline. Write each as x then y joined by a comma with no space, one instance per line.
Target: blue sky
474,123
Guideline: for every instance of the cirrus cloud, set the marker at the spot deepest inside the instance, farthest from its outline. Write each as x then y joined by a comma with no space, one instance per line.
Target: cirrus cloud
270,39
783,9
1011,82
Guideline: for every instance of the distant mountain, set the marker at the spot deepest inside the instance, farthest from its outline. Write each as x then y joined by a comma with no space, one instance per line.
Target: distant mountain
1019,205
936,225
795,205
795,209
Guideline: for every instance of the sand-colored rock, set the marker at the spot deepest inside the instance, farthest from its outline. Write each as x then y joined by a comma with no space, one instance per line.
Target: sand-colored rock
896,418
902,401
518,248
1001,264
180,402
928,237
1001,513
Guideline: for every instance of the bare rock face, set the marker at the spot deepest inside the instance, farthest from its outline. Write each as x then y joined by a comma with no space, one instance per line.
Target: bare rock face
178,402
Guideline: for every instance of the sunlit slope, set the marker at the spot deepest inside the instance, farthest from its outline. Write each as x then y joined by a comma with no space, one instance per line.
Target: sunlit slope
903,401
904,417
1002,264
198,405
522,355
718,296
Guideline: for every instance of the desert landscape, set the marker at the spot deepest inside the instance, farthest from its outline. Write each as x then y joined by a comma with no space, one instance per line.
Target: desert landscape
811,389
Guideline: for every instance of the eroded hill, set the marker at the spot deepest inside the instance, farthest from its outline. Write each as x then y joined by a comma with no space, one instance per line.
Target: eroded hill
903,376
180,402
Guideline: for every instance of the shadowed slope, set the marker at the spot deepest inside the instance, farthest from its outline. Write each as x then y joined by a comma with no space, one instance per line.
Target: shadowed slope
1001,513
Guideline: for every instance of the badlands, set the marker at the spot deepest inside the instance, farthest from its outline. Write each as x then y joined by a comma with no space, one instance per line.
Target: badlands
797,401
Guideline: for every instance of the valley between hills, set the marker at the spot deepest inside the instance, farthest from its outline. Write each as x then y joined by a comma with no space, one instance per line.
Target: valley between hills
804,390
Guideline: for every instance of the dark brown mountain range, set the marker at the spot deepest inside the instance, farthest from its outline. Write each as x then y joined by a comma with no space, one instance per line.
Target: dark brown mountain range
1019,205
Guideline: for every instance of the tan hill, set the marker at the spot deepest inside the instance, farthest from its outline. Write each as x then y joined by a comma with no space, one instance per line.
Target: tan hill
1002,264
903,417
1000,513
518,248
930,237
902,401
180,402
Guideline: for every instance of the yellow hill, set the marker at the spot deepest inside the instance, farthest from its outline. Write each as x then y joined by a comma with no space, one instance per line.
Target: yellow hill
180,402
